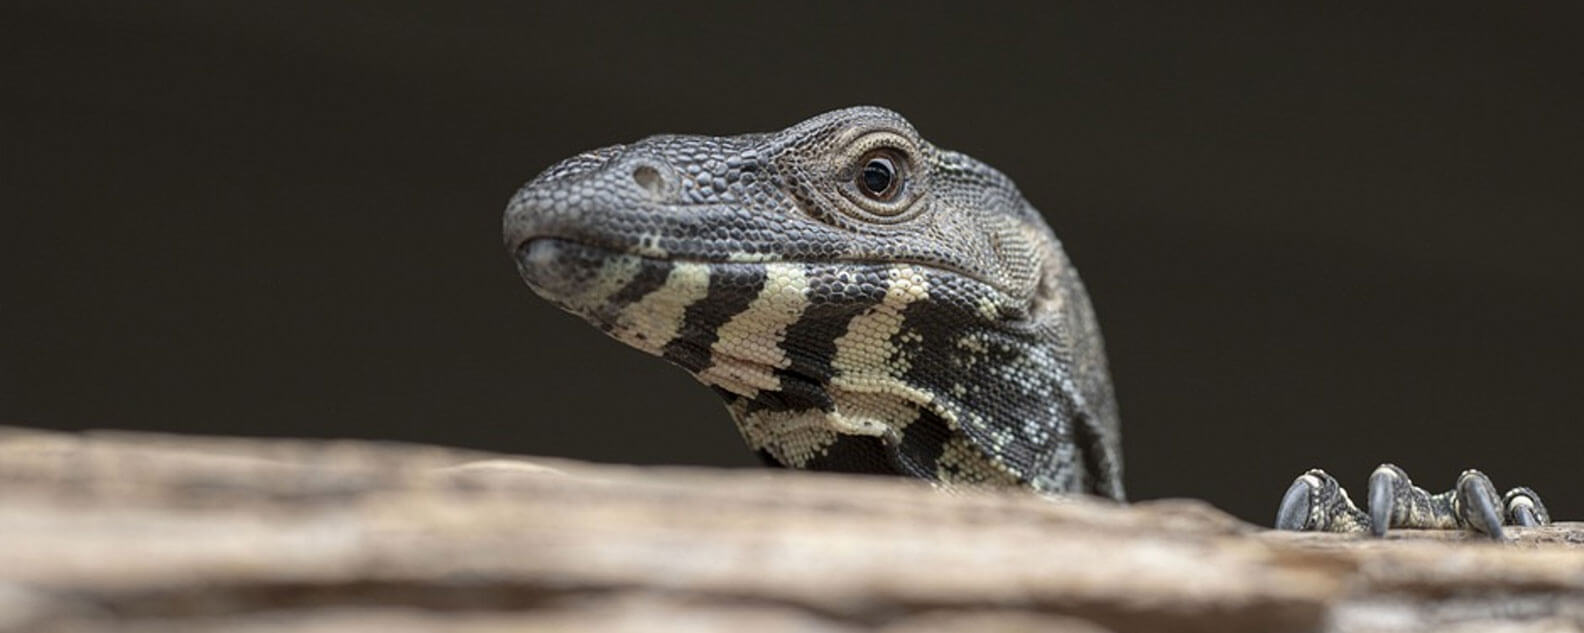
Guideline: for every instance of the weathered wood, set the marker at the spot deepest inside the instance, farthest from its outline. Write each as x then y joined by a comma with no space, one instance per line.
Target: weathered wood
114,531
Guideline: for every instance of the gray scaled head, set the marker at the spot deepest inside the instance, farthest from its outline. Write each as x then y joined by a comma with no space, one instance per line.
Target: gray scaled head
863,300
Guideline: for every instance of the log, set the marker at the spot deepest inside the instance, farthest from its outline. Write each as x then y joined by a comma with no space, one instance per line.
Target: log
111,531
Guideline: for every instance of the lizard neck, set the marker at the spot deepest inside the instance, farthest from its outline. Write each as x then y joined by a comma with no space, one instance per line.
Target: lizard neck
915,375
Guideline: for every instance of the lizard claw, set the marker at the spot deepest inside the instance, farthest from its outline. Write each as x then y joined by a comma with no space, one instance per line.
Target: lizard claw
1295,504
1383,485
1315,501
1476,504
1525,516
1525,508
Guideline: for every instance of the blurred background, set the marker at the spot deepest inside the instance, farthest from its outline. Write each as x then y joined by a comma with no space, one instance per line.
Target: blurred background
1314,236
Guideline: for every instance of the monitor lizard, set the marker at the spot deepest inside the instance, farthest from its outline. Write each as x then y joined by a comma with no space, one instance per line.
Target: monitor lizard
868,302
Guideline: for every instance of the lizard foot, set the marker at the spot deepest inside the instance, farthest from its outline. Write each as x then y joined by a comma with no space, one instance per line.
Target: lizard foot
1316,502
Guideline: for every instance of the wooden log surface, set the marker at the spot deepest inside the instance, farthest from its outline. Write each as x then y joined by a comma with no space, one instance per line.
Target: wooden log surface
135,532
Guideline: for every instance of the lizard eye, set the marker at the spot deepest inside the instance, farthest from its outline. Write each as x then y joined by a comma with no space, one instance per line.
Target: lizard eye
882,175
880,178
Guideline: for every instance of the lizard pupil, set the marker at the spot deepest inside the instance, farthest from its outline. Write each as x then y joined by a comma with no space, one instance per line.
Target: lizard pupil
878,178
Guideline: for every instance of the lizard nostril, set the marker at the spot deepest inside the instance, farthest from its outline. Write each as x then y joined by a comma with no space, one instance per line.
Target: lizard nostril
649,178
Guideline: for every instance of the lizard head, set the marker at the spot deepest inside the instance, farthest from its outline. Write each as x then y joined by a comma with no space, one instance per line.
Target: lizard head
858,295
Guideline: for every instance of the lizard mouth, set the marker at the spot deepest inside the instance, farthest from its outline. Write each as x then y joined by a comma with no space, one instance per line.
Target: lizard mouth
602,284
675,309
568,272
620,289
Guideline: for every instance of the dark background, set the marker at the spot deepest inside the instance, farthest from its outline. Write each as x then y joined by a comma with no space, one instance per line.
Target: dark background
1314,236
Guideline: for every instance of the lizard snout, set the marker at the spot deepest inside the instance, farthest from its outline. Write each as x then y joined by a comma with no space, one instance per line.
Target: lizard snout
575,199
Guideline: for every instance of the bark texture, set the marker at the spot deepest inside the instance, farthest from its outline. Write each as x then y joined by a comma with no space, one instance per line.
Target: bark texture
131,532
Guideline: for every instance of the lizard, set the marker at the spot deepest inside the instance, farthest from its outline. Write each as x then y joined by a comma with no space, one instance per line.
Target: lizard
867,302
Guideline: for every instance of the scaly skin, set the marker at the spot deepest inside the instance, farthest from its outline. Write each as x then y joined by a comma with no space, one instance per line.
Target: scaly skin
867,302
863,300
